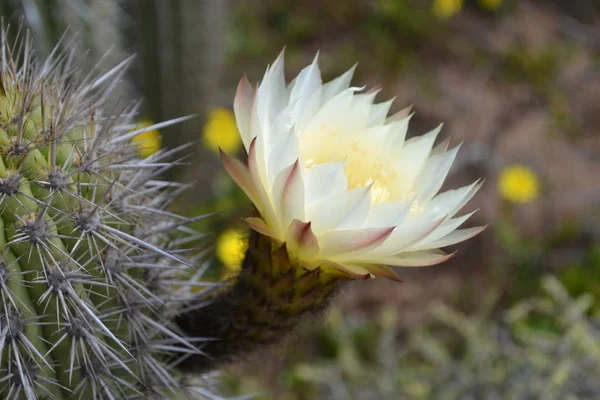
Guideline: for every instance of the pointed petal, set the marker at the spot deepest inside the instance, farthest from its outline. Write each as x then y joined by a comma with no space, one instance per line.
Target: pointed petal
288,195
349,207
433,174
400,115
241,175
379,113
382,270
387,213
346,271
457,236
339,84
301,239
260,226
414,155
242,106
451,201
346,244
325,180
417,259
404,236
263,191
445,228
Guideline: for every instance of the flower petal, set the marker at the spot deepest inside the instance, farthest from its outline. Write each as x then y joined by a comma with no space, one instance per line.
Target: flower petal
242,107
417,258
382,270
457,236
325,180
346,244
339,84
349,208
288,195
301,239
404,236
445,228
387,213
260,226
346,271
242,177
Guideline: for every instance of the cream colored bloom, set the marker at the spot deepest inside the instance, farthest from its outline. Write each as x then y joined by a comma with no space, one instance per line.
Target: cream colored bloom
334,177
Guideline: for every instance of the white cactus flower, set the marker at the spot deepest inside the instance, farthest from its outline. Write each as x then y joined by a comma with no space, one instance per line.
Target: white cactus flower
333,177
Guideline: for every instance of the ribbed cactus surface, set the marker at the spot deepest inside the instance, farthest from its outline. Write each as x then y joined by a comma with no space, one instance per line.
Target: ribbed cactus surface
88,273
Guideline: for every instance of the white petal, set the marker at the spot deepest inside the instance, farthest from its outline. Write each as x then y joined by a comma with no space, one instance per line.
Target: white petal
288,196
256,167
400,115
335,210
272,93
416,259
333,114
344,244
284,151
242,107
305,84
404,236
414,155
457,236
390,213
379,113
325,180
445,228
397,133
339,84
451,201
433,174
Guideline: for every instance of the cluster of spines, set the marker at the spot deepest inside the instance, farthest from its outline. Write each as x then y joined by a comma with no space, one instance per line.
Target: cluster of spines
90,278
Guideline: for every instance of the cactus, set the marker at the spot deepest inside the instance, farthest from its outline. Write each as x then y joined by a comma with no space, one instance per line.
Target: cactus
90,276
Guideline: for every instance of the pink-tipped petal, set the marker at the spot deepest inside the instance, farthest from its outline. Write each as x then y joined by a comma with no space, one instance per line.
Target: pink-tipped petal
260,226
457,236
347,244
417,258
241,175
253,165
346,271
288,195
301,239
400,115
383,271
404,236
242,106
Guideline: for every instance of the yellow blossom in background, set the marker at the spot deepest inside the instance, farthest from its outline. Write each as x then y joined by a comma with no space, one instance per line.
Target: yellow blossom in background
230,248
221,131
519,184
446,8
149,142
490,5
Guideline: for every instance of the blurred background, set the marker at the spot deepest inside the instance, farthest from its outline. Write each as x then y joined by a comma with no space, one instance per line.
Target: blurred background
516,313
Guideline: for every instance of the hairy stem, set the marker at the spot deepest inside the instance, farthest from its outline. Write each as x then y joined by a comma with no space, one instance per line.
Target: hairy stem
269,297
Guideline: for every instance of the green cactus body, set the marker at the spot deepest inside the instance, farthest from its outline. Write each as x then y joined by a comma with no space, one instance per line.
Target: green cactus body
85,262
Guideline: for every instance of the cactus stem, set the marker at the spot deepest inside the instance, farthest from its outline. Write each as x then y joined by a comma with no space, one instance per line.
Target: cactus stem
270,296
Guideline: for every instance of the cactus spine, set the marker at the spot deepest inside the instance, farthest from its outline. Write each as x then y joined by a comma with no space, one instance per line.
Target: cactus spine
87,258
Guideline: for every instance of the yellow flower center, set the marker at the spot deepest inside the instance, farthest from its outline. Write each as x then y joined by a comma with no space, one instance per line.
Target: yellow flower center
363,164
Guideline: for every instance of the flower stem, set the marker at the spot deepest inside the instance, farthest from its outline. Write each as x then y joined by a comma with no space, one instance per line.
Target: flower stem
269,297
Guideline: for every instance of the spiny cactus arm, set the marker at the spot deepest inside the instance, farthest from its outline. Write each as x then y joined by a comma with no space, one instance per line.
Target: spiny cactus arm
268,298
